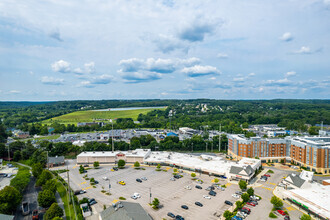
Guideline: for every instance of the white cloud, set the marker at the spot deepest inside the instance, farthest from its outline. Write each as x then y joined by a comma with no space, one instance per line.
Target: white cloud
51,80
89,67
168,43
251,74
198,70
61,66
139,77
103,79
14,92
239,79
291,73
304,50
222,55
31,73
86,84
280,82
286,37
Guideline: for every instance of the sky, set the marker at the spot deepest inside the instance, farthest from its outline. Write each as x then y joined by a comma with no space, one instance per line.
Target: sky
164,49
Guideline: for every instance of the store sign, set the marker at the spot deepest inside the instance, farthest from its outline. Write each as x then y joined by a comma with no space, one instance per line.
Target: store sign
238,176
120,155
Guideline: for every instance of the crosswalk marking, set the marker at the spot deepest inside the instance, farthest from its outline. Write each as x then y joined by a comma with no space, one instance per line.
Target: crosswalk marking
83,183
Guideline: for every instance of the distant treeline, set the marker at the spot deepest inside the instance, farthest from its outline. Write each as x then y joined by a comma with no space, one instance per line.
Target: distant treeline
234,115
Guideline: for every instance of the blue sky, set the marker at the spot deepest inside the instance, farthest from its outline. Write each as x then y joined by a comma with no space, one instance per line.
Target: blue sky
221,49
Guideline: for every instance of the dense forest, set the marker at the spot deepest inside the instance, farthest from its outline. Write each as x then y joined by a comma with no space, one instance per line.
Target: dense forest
233,115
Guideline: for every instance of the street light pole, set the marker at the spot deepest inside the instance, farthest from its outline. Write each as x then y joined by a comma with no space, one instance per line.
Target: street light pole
150,195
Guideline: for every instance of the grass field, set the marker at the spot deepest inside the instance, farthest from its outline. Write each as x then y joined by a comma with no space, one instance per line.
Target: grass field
89,116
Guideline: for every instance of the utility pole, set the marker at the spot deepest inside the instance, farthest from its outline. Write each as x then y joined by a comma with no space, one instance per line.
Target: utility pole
47,161
112,136
219,138
69,198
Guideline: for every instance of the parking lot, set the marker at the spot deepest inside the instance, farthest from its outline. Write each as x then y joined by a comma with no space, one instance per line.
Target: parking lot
171,194
4,180
265,190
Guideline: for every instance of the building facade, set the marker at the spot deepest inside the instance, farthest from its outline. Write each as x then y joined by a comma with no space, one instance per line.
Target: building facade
313,153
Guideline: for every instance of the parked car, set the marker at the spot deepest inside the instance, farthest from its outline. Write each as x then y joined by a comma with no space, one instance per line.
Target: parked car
184,207
188,187
198,187
170,214
105,178
172,179
199,204
86,165
256,198
122,183
212,193
235,196
247,209
179,217
287,217
236,218
267,175
139,180
137,195
115,168
96,182
144,178
228,202
91,201
35,215
9,175
281,212
134,197
239,193
223,177
206,197
254,202
250,203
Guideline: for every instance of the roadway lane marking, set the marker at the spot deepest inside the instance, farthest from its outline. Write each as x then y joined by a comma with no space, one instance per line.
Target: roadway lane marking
83,183
273,184
228,184
267,188
74,166
87,188
290,208
167,168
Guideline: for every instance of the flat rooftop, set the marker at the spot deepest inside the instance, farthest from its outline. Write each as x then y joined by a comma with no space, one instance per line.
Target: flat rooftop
212,164
315,196
134,153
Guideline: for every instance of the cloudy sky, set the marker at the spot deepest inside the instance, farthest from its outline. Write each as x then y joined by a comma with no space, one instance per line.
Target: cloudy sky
109,49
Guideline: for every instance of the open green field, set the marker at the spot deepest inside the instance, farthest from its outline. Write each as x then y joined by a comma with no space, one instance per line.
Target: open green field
99,116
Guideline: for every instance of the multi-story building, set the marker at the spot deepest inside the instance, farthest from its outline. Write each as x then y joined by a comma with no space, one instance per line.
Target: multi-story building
310,152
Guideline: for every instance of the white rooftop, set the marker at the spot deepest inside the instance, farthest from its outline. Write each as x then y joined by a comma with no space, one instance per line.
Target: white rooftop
204,162
316,197
254,163
306,175
134,153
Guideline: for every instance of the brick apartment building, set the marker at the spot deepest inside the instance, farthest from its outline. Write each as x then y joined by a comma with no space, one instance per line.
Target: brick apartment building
312,153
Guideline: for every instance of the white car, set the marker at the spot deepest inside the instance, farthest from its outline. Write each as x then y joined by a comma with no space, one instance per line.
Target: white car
105,178
144,178
172,179
235,196
188,187
242,214
134,197
206,197
255,198
137,195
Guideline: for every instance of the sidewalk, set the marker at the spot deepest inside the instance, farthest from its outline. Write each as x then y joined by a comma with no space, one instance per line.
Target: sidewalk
60,203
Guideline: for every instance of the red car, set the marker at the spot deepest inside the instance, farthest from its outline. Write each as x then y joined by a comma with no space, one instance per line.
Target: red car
281,212
247,209
267,175
249,203
35,215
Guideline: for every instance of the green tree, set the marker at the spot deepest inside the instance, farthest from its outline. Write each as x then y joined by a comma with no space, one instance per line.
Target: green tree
250,191
17,155
59,218
216,180
137,164
227,214
50,185
155,203
10,198
313,130
121,163
245,197
242,184
81,169
158,166
277,202
175,170
193,174
44,177
96,164
21,180
46,198
239,204
54,211
305,217
92,180
37,169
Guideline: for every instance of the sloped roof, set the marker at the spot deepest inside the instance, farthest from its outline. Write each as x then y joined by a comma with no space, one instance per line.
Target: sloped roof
129,211
56,160
247,171
295,180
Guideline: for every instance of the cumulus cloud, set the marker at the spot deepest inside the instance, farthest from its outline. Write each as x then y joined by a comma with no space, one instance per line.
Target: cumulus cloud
14,92
103,79
137,70
56,35
290,73
52,81
280,82
140,77
61,66
239,79
198,70
251,74
89,68
286,37
87,84
168,43
198,29
303,50
222,55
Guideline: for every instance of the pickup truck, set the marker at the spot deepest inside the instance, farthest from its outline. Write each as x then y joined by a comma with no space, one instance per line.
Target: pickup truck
25,208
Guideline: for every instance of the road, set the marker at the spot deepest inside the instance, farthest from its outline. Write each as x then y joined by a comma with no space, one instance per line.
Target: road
31,196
